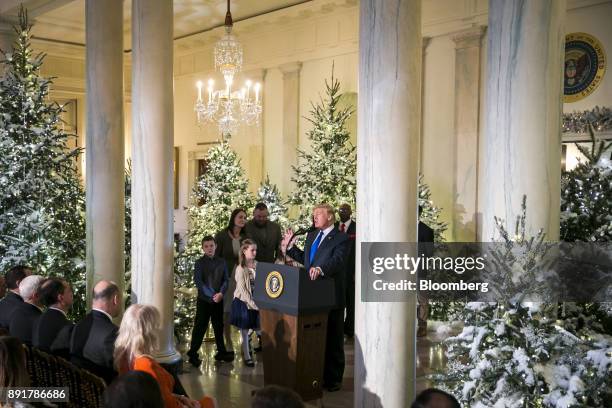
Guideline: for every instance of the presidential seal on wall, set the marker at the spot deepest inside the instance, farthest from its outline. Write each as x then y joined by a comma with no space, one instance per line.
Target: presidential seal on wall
585,65
274,284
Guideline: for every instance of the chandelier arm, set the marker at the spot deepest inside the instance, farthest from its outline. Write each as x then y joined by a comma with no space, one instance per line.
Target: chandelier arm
228,16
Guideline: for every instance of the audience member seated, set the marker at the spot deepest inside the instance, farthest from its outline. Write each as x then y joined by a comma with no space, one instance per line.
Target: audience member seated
93,338
13,371
274,396
435,398
7,305
136,342
26,314
134,389
56,294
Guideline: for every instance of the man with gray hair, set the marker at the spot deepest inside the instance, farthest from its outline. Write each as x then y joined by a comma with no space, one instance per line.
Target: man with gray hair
25,316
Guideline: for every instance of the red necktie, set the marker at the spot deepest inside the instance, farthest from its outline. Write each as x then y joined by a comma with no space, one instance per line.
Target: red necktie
342,227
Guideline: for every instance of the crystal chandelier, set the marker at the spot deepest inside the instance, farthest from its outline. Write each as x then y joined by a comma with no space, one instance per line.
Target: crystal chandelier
228,107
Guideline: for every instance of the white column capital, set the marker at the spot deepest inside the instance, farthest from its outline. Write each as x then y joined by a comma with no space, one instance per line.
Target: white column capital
470,37
290,67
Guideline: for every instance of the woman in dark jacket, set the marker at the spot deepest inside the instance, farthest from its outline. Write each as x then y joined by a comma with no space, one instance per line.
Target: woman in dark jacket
228,247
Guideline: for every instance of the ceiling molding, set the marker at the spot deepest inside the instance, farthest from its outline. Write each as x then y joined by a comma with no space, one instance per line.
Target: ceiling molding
575,4
270,22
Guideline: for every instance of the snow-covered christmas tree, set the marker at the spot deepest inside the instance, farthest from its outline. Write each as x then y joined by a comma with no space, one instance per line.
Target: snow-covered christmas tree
514,352
326,173
586,215
220,190
586,195
42,202
268,193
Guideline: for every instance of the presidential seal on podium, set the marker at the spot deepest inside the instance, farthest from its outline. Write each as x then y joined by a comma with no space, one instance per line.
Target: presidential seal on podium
274,284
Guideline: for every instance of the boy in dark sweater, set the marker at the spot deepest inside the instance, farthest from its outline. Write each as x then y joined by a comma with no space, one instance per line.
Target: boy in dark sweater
211,279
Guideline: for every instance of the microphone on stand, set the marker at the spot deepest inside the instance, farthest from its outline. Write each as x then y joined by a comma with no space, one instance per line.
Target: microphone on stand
299,232
303,231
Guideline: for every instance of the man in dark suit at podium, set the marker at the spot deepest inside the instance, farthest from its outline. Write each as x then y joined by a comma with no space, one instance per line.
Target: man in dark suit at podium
324,256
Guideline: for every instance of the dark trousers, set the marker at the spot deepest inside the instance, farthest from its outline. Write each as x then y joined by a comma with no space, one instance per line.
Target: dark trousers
349,320
206,312
334,348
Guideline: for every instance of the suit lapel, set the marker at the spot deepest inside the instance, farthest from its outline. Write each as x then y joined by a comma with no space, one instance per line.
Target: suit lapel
325,243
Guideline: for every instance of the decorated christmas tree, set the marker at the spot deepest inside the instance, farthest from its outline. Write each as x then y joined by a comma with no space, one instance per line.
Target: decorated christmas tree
514,352
42,203
220,190
326,173
268,193
127,228
431,214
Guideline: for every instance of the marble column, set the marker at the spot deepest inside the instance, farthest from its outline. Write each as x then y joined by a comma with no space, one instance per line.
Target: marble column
104,140
467,117
426,42
522,141
255,137
390,51
152,150
291,118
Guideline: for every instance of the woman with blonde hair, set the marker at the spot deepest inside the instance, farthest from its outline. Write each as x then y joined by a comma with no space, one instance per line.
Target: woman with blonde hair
136,342
245,314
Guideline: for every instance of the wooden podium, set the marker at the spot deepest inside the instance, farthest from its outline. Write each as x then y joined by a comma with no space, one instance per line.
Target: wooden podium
293,312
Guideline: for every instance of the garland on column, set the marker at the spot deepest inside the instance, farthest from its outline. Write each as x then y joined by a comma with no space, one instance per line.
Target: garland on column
42,204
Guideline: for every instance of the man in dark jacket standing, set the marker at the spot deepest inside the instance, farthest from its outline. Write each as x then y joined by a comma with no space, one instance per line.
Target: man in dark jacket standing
211,279
426,239
349,227
324,256
266,234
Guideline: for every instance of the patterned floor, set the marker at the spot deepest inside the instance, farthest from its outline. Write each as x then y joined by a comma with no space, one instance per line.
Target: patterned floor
232,383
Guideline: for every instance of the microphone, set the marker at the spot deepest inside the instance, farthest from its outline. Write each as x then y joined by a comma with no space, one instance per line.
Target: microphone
304,231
